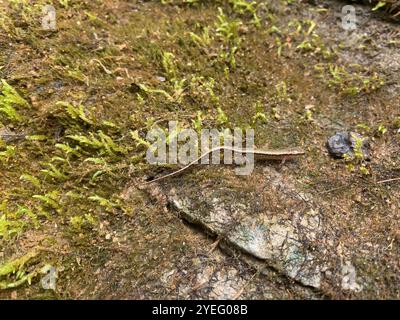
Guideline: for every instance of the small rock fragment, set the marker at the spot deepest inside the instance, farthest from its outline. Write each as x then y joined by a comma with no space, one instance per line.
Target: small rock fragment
161,79
345,143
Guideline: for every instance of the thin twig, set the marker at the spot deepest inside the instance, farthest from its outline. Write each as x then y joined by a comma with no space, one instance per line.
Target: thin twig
239,293
214,245
389,180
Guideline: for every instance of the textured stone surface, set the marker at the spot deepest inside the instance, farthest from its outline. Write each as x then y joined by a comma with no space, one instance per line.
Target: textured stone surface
271,219
344,144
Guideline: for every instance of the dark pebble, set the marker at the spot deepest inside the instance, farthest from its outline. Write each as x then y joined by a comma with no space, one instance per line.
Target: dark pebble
343,143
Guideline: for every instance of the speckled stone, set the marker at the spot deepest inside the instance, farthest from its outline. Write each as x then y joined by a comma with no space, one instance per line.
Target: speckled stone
343,143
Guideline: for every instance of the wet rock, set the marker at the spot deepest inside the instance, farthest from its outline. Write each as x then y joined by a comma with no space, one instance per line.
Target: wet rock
345,144
277,223
216,276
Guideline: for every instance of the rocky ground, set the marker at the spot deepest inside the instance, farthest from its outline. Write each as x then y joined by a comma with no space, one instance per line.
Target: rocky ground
77,102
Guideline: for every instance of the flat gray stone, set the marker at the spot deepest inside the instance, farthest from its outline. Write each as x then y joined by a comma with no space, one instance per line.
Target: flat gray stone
269,218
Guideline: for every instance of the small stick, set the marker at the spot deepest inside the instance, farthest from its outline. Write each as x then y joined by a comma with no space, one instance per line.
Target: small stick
388,180
214,245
